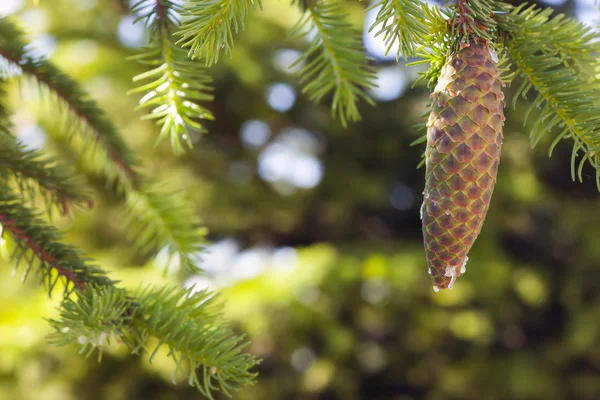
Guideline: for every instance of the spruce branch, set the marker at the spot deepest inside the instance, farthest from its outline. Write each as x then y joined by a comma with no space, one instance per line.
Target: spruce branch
33,170
210,25
192,327
159,218
94,310
154,215
85,115
549,54
37,243
473,19
402,23
99,314
435,46
175,94
335,59
574,42
30,170
178,86
172,230
189,324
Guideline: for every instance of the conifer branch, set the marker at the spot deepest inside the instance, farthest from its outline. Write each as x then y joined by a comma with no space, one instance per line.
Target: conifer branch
99,314
154,215
38,243
335,59
158,218
192,327
435,46
84,112
549,54
473,19
189,324
210,25
574,42
31,169
131,187
401,22
178,85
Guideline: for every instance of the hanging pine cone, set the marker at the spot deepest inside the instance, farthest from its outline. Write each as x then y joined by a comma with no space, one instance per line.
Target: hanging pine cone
464,136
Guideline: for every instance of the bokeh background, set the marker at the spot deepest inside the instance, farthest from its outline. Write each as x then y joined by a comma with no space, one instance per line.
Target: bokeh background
316,240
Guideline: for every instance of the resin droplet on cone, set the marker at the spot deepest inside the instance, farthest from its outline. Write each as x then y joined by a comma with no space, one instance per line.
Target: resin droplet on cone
464,136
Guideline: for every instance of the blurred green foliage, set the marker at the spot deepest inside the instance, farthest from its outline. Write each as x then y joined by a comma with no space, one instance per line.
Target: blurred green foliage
328,280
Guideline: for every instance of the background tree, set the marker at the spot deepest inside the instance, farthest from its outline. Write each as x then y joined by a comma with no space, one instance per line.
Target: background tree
364,205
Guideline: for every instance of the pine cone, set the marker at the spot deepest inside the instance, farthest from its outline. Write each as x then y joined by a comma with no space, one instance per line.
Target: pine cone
464,136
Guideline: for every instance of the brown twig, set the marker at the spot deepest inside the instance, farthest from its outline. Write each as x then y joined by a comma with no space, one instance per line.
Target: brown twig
40,252
462,21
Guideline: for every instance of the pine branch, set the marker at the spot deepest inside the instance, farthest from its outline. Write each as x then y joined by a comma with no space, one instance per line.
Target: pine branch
435,46
402,23
154,216
549,54
32,170
210,25
172,230
178,85
85,115
472,19
450,29
39,243
193,329
574,42
99,314
157,218
335,59
189,324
